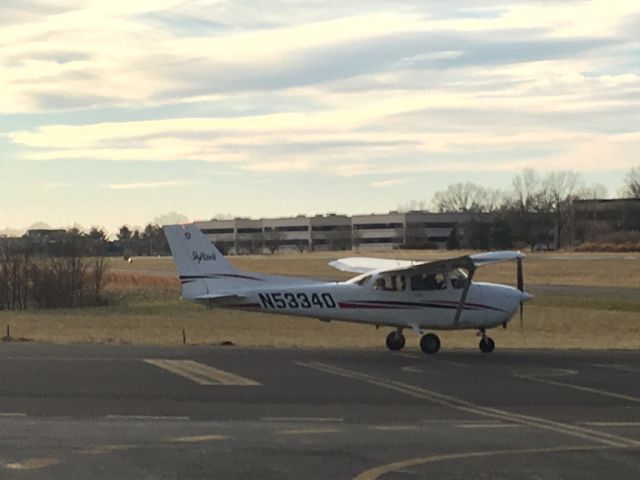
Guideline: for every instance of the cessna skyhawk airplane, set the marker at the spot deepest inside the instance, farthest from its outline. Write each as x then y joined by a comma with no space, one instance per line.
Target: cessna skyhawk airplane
437,295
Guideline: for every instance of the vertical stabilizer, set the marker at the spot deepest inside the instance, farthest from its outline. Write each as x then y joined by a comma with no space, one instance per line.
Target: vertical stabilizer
196,259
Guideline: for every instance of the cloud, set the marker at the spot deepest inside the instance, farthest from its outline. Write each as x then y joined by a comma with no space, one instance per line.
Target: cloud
148,185
389,183
394,87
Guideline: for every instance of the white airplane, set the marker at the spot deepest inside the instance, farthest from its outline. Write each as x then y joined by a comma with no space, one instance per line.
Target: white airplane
437,295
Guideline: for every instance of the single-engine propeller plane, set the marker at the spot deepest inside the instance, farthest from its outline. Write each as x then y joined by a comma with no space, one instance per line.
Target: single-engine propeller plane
438,295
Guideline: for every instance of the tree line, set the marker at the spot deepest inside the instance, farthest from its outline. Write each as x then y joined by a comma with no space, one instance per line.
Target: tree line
538,209
71,278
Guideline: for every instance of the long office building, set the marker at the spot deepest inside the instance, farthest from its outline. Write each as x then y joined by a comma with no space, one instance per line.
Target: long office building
416,229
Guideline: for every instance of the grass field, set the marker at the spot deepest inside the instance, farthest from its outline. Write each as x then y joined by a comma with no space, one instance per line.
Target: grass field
148,310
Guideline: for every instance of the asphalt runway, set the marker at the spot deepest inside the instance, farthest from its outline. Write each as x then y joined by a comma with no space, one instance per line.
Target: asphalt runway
111,412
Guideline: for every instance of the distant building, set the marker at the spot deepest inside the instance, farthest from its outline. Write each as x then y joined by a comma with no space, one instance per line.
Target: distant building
619,213
415,229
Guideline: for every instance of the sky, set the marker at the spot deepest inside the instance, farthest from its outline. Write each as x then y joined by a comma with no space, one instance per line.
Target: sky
117,112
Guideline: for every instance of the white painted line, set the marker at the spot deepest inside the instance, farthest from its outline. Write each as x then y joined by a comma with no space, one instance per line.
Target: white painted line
312,431
620,367
12,414
33,464
302,419
146,417
597,391
488,425
611,424
412,369
201,374
393,428
604,438
198,439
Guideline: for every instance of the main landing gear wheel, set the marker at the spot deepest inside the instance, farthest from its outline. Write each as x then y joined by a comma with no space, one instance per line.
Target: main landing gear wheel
430,343
487,344
395,341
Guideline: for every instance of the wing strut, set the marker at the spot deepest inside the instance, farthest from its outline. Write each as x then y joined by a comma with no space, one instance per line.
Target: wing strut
465,292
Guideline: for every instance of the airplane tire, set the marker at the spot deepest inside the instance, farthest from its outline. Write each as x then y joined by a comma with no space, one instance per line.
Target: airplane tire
487,345
395,341
430,343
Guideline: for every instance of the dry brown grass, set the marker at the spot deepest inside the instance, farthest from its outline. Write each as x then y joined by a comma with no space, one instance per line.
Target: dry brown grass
544,327
148,310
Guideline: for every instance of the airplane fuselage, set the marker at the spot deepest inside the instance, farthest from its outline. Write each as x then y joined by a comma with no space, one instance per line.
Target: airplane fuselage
487,305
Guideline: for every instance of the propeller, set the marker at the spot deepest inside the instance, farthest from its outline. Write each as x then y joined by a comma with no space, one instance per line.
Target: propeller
520,285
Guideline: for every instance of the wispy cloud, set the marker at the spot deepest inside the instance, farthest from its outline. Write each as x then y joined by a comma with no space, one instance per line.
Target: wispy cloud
390,183
148,185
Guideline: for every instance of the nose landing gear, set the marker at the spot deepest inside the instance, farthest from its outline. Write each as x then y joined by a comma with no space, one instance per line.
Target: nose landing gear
487,345
430,343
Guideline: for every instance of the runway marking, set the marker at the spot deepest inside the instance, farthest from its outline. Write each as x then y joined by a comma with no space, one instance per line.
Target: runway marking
412,369
433,359
611,424
488,425
146,417
198,439
12,414
597,391
616,366
33,464
312,431
104,449
201,374
469,407
377,472
393,428
302,419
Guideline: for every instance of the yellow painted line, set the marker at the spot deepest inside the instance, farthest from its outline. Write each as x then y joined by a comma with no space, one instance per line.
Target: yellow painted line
33,464
201,374
198,439
597,391
104,449
469,407
12,414
305,431
377,472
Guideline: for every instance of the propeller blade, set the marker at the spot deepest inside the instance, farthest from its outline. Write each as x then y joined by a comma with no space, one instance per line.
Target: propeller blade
520,276
521,315
520,284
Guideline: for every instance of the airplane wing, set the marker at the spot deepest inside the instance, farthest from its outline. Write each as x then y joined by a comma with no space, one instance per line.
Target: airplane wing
367,264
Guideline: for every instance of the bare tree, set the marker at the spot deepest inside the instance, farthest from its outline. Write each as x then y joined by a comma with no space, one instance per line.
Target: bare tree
631,187
526,188
558,191
466,197
273,239
595,191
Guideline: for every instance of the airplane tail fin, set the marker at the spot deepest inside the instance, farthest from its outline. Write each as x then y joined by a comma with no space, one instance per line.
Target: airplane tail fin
203,270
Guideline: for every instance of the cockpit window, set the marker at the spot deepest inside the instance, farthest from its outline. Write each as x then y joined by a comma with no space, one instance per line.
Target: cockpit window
392,283
459,278
430,281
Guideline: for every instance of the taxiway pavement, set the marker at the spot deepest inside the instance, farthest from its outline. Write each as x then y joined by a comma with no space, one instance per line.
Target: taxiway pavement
90,411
